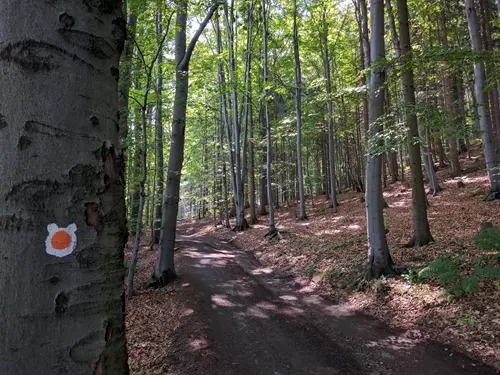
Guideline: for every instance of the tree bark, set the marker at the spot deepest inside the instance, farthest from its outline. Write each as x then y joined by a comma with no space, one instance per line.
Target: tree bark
484,115
253,214
165,267
378,252
449,102
421,231
272,227
329,106
494,100
125,79
298,113
62,170
159,140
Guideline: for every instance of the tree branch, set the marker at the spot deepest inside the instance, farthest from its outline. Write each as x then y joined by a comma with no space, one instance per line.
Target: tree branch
189,51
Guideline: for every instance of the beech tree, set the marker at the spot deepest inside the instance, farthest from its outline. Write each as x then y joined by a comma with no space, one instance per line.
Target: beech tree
484,115
378,252
298,112
421,231
62,207
165,267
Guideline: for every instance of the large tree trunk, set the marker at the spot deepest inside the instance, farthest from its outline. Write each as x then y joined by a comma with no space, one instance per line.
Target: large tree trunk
484,115
421,231
165,267
62,207
158,140
298,112
378,252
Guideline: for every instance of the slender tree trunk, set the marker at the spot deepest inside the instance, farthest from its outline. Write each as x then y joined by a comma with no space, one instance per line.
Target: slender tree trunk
62,211
484,115
142,197
329,105
490,68
253,214
440,150
224,172
378,252
449,102
236,163
298,111
125,79
144,167
159,140
272,227
421,231
165,267
366,58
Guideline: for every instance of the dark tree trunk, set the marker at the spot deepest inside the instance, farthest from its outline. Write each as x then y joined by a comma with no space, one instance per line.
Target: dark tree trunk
421,231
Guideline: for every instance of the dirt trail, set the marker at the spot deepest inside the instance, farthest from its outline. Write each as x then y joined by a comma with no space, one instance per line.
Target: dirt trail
263,325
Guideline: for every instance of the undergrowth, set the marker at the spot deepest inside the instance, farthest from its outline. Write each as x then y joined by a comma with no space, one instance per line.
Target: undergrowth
446,269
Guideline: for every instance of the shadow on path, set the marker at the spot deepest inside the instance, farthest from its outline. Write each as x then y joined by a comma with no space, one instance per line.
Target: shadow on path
262,325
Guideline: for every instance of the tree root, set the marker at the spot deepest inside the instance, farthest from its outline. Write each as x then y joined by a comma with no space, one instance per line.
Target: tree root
413,242
273,233
241,228
165,278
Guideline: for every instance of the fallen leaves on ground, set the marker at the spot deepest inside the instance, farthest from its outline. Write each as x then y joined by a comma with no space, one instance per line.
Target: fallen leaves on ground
330,250
167,330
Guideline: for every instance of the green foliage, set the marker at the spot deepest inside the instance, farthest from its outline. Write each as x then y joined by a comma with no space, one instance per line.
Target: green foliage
469,320
445,270
311,269
489,239
470,284
441,266
492,196
336,245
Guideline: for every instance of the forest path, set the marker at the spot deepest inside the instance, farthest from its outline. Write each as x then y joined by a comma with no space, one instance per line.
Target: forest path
262,324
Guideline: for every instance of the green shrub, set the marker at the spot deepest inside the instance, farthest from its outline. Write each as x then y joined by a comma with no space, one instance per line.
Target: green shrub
489,239
311,268
445,270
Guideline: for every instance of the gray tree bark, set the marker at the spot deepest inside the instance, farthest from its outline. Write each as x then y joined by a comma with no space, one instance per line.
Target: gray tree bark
236,159
449,102
62,169
125,78
494,101
165,266
253,214
159,139
298,112
272,227
421,231
143,153
378,252
484,115
329,106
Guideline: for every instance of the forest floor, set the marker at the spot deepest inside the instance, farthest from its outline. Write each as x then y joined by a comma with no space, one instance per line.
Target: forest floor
170,332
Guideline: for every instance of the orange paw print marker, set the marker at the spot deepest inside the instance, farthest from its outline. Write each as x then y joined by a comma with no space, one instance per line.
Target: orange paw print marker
60,241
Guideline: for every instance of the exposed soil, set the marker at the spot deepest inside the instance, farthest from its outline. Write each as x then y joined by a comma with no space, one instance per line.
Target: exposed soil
228,314
326,253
